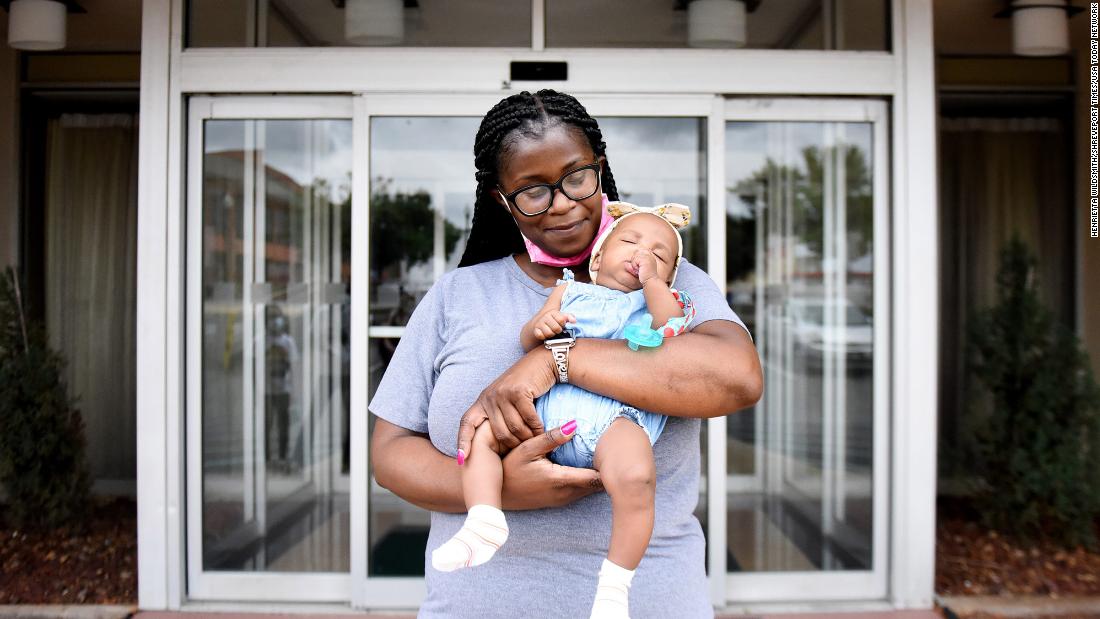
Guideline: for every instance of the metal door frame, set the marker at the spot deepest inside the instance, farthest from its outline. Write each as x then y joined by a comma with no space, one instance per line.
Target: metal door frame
871,584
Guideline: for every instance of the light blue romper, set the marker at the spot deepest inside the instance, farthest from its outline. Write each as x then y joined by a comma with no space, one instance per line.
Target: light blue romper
601,313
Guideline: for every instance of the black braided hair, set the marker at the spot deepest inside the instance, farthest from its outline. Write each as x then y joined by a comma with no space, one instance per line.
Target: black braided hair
493,232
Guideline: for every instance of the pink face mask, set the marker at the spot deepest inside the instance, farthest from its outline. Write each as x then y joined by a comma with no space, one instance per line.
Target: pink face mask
539,256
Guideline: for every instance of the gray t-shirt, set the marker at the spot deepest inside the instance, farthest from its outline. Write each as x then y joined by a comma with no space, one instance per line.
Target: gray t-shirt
461,337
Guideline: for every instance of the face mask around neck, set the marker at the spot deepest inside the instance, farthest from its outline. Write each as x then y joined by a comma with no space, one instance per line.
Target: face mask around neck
538,256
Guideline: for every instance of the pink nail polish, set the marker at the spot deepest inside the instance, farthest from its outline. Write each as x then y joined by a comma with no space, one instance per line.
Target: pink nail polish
569,428
461,457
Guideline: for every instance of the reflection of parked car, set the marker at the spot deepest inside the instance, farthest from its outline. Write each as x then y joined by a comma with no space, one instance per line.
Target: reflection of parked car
849,334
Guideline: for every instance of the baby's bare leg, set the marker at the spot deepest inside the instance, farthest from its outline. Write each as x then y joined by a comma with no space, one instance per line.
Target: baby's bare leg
485,529
482,474
624,459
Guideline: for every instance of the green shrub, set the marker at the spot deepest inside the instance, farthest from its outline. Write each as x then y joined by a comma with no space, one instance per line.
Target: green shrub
42,465
1038,451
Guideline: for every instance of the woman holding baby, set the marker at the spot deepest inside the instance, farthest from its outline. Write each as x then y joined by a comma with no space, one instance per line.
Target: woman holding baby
461,366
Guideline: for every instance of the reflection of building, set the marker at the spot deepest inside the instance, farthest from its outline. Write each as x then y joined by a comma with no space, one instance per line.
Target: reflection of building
266,240
822,492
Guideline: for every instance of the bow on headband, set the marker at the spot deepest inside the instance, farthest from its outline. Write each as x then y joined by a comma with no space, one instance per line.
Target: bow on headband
677,215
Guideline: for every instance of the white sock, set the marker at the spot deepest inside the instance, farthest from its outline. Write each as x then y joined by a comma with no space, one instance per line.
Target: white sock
612,592
484,531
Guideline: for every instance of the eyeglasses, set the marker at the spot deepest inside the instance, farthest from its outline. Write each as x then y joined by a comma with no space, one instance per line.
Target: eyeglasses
534,200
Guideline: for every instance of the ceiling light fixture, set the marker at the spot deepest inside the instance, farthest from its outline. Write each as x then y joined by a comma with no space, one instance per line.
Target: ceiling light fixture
1039,27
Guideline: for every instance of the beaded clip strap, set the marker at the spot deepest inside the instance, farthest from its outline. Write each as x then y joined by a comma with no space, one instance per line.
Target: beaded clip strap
640,334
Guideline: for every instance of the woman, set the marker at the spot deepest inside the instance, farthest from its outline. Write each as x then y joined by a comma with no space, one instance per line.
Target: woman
465,333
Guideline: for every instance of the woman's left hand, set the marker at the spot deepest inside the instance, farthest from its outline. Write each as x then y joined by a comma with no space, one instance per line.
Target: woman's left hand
508,403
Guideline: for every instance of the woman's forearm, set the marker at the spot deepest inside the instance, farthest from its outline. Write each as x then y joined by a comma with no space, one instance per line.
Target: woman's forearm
410,466
708,372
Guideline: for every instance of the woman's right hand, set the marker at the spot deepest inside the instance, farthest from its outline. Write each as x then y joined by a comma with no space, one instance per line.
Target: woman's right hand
508,403
532,481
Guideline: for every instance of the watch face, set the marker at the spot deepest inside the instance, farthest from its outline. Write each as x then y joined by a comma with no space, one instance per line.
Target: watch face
561,338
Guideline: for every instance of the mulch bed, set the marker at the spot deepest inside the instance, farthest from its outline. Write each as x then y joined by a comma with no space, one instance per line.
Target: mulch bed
99,566
96,566
973,560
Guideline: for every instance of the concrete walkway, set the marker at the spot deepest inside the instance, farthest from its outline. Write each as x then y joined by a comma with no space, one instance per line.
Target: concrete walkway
125,612
924,614
962,606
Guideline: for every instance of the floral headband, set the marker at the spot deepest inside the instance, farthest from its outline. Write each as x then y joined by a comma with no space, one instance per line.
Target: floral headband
676,215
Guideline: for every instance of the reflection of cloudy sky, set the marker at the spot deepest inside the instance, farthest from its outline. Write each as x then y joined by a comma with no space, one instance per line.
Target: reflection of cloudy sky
750,144
657,160
432,154
303,150
654,159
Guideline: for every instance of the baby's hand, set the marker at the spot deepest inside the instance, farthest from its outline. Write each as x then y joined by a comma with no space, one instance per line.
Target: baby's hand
643,265
551,323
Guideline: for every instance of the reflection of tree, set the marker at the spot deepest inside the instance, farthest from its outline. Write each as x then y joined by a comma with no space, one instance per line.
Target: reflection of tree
804,186
402,228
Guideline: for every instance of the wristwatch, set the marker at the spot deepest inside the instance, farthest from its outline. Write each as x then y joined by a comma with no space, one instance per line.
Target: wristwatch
559,346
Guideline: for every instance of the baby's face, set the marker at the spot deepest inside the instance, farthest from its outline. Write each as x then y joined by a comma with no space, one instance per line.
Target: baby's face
614,262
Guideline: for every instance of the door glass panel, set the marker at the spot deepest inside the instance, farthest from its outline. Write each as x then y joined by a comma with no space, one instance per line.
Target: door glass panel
276,274
658,160
422,202
421,206
400,23
792,24
799,217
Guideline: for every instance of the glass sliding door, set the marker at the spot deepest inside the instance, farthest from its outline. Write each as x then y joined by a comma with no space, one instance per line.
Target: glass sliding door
421,189
302,275
805,264
269,318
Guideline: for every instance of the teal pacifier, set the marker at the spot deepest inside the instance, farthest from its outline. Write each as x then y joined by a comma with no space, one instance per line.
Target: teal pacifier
639,334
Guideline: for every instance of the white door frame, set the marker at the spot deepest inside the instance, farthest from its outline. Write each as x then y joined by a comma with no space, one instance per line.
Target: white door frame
221,585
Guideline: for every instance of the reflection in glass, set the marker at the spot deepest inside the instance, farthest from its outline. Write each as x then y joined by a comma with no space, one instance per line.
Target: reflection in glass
799,217
276,260
398,529
791,24
310,23
422,202
421,207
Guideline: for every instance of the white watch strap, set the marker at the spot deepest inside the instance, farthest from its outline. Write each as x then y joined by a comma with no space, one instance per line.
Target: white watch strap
561,361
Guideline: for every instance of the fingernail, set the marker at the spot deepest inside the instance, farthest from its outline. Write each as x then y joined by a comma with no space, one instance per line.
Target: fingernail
461,457
569,428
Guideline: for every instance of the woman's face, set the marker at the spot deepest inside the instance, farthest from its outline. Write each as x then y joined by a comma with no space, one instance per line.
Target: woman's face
570,225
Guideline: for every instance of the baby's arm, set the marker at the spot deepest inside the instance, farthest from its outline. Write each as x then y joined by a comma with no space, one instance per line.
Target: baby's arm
660,302
548,321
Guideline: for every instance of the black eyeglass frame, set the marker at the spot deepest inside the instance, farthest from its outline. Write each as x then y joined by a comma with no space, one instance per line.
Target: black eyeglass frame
510,198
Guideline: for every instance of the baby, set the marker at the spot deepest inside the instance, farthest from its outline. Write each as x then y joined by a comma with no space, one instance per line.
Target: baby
632,266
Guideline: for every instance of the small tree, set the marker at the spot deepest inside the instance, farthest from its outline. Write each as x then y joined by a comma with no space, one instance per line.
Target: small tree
42,464
1039,449
402,227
